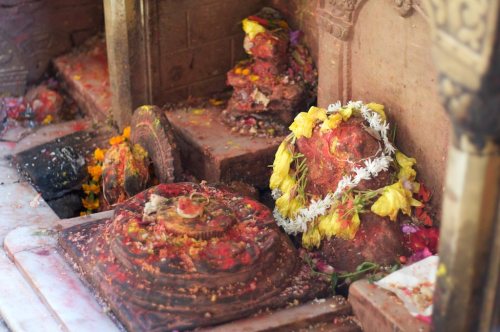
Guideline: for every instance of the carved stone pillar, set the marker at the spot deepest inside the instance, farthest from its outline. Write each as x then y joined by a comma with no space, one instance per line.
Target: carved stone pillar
466,49
128,39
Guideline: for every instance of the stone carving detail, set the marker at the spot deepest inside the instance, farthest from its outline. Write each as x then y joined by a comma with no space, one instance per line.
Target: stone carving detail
404,7
336,16
469,27
464,45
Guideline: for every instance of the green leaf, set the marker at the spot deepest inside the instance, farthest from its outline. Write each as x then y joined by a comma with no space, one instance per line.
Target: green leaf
334,279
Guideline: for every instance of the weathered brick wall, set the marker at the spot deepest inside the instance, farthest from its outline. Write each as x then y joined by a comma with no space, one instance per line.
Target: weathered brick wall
199,41
32,32
301,14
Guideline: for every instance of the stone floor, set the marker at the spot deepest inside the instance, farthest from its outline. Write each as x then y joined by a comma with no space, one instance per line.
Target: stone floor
20,205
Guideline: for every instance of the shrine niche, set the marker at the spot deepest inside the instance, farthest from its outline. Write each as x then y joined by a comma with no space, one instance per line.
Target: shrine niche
296,147
179,256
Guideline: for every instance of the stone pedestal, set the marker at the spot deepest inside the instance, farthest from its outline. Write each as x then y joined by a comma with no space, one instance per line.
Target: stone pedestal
211,152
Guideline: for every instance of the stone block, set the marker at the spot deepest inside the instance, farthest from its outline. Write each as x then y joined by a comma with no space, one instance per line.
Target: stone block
211,152
379,310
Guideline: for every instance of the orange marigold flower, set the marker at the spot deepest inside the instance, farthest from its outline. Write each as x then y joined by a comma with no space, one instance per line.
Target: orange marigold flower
95,172
115,140
99,154
91,188
90,204
126,132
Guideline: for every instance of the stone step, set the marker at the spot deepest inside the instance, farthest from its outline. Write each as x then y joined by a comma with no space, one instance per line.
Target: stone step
212,152
379,310
84,73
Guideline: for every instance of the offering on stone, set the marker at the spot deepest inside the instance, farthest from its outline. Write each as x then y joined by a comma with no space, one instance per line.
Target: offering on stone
340,182
179,256
277,80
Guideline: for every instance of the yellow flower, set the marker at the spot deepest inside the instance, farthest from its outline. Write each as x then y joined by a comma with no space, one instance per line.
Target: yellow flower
48,119
348,226
281,165
287,184
254,78
95,172
328,225
302,125
115,140
378,108
311,238
99,154
287,205
332,122
90,204
344,226
406,171
317,113
394,198
252,28
126,132
91,188
346,113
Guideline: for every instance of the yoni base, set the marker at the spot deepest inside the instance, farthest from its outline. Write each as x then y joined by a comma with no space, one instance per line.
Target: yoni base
212,152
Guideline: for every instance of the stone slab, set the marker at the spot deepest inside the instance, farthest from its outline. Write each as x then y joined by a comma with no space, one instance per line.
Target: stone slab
75,308
379,310
20,307
211,152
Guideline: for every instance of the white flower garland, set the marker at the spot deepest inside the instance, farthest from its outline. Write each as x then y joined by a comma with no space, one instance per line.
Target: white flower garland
372,167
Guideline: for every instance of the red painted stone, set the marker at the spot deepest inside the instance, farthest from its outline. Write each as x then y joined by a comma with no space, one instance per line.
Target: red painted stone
161,270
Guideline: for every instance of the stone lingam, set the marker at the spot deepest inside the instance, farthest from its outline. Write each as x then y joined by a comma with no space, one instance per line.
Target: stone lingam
180,256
